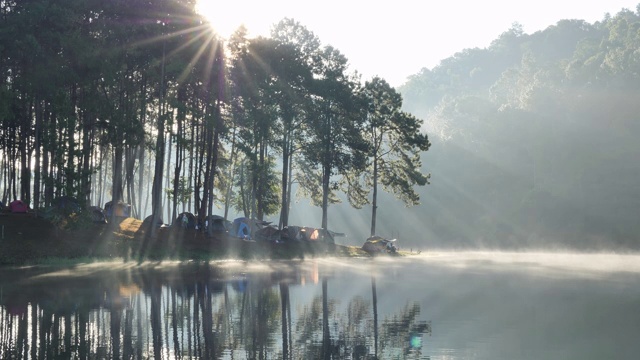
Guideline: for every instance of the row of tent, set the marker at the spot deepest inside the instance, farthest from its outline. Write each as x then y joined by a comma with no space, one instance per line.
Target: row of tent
253,229
241,228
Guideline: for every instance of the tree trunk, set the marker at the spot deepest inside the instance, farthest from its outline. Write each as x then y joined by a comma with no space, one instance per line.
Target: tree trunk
116,183
326,175
232,164
284,210
214,158
38,148
374,201
87,145
156,192
166,180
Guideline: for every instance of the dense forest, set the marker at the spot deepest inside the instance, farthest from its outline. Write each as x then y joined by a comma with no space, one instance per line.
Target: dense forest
142,102
535,140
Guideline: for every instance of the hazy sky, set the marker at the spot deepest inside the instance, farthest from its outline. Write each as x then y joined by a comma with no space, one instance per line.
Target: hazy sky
395,39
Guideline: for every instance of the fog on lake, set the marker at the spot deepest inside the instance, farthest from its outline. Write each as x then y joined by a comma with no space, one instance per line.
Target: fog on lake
438,305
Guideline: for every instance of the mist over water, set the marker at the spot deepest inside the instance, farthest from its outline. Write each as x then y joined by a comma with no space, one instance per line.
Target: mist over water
559,264
436,305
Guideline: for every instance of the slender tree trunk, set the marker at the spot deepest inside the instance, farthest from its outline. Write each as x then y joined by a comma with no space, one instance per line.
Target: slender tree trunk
206,189
87,145
168,181
142,150
192,154
176,176
25,169
214,156
261,179
288,204
326,173
141,165
71,143
130,161
38,148
374,202
116,182
232,164
156,192
284,210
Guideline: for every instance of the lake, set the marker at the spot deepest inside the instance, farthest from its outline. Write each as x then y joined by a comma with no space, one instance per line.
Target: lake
436,305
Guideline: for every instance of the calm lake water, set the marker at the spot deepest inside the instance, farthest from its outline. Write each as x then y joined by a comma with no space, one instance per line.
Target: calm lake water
439,305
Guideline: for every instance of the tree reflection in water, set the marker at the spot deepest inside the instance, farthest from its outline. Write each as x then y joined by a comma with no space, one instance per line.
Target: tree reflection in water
196,311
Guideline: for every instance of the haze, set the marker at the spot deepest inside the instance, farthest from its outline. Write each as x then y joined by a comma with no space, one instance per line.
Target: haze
396,39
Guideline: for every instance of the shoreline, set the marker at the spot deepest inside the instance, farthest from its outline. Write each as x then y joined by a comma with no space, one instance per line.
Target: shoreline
29,240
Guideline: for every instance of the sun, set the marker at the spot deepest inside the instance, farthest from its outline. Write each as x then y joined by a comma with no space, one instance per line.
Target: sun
227,16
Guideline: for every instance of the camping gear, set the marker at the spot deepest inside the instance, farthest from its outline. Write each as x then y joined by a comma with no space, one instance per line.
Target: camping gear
97,215
118,209
379,245
18,207
66,205
319,234
186,220
147,221
293,233
218,224
268,233
245,228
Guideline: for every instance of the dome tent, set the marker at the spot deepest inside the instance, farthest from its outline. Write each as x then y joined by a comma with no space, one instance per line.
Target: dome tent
18,207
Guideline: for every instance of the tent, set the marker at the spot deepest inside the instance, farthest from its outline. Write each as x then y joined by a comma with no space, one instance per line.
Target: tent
17,206
378,244
97,215
245,228
66,205
186,220
268,233
322,235
218,224
147,221
293,233
119,209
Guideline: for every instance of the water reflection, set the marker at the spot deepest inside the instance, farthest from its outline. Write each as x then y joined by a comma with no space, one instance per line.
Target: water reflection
234,310
477,305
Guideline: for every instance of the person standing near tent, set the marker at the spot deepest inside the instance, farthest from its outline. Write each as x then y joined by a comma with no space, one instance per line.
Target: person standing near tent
243,231
185,221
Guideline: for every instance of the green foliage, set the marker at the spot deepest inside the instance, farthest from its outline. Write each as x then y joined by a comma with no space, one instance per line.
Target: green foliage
184,191
541,151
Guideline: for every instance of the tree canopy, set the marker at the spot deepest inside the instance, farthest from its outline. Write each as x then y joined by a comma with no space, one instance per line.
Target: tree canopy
535,138
142,102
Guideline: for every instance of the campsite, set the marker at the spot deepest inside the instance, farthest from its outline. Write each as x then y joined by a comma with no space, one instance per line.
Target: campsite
53,235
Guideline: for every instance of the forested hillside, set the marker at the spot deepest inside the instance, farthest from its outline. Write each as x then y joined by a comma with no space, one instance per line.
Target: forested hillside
535,140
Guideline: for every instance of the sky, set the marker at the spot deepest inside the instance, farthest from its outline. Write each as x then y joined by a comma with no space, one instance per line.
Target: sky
396,39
